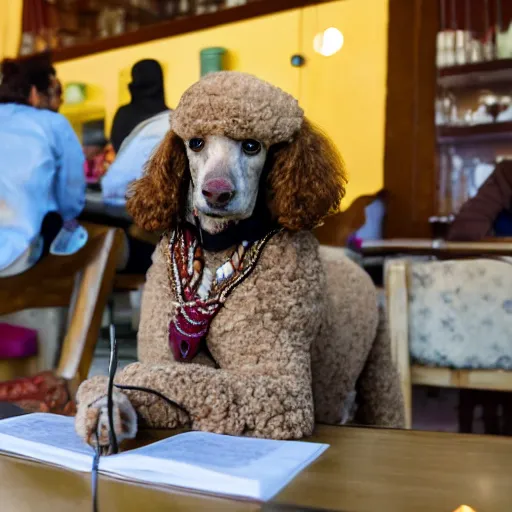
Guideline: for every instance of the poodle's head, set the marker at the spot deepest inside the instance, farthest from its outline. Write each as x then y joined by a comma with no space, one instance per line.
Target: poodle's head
235,137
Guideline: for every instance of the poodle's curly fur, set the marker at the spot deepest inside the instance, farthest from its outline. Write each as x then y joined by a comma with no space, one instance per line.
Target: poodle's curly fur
238,106
300,337
307,179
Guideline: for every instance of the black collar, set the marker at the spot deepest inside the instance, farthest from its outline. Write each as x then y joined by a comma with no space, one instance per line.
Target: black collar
251,230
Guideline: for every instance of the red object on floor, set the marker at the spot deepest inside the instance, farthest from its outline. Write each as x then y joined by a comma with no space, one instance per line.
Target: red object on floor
44,392
17,342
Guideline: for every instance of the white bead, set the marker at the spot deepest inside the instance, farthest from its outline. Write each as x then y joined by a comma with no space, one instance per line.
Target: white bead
207,276
220,274
203,292
227,269
235,260
245,243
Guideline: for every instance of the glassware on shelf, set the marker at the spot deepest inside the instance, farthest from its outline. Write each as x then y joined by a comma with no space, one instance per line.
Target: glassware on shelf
504,43
446,109
475,51
445,48
462,46
488,108
489,50
456,182
440,118
505,109
111,21
468,117
184,7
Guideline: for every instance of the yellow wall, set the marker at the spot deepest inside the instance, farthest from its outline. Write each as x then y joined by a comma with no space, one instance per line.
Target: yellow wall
345,94
10,27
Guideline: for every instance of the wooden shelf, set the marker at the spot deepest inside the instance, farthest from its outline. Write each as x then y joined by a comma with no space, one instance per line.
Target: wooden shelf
465,135
177,26
479,74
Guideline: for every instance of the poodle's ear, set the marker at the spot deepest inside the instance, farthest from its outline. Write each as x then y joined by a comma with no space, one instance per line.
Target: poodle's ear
155,199
306,179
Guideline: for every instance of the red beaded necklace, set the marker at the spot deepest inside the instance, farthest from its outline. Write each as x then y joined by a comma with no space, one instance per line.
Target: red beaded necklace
200,293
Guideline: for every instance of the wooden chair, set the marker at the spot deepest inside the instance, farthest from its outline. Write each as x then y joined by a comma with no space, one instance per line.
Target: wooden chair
126,283
83,282
400,293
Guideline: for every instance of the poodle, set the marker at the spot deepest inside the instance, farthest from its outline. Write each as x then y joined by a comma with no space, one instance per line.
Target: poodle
247,326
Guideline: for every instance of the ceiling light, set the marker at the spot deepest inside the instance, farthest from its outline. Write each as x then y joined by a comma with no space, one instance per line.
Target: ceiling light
328,42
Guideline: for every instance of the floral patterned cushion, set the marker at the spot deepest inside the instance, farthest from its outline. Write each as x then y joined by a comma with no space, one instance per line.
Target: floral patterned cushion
460,313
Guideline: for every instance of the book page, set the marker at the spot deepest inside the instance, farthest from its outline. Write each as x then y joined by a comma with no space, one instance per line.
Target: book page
47,438
211,451
242,466
47,429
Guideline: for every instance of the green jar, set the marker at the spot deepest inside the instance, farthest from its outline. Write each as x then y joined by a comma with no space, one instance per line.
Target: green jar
212,60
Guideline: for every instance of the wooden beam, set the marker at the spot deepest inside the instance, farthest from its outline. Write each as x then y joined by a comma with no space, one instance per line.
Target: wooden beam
184,25
410,146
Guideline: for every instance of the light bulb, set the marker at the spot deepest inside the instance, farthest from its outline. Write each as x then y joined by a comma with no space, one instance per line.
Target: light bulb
328,42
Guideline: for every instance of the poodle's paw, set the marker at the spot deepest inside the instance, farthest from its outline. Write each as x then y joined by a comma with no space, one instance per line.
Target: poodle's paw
97,425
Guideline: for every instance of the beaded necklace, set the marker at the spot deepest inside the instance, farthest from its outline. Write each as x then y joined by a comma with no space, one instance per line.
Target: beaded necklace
200,293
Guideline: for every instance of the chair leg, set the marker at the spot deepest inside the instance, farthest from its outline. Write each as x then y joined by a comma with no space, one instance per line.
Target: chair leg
507,415
491,402
466,410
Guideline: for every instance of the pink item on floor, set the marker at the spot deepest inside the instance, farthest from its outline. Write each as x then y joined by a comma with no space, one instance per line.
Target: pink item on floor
17,342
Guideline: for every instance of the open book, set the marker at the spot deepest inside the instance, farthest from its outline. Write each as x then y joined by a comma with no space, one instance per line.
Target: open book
212,463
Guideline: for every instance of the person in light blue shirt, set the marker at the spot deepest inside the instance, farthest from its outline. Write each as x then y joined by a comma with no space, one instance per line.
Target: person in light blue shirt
41,166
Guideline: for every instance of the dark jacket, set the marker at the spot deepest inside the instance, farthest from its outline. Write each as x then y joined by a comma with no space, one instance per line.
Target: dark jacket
477,217
147,91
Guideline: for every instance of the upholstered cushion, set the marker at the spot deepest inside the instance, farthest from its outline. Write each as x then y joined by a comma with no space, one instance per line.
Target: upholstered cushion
16,341
460,313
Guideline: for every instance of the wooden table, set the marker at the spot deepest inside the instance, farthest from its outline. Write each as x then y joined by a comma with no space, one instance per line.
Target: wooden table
364,470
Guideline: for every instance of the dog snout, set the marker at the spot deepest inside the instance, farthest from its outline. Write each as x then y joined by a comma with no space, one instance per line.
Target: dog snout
218,192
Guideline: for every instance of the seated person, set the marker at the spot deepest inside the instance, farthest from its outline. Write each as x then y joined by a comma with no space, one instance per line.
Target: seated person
489,213
131,158
127,167
148,100
52,100
42,181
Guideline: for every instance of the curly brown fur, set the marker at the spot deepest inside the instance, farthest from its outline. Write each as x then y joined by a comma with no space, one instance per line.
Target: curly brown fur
295,340
155,200
307,180
239,106
309,326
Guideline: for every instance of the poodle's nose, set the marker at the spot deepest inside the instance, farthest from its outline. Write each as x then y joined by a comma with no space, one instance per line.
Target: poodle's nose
218,192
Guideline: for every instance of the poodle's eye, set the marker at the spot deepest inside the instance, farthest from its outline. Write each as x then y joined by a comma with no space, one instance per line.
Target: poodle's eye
196,144
251,147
